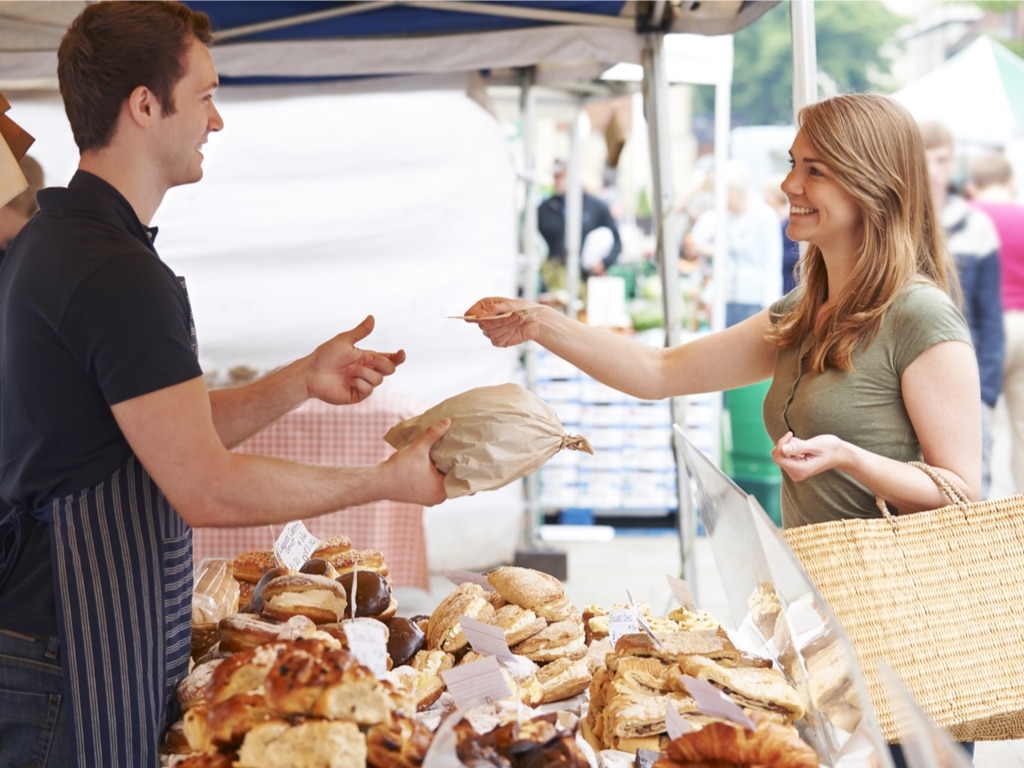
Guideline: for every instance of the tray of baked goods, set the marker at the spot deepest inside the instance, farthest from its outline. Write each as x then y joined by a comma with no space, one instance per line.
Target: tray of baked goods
315,666
284,679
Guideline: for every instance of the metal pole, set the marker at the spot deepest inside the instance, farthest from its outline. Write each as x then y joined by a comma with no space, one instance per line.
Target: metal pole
531,269
805,54
574,211
656,105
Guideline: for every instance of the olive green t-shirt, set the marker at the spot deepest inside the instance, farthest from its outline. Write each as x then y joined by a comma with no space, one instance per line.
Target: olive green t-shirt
864,407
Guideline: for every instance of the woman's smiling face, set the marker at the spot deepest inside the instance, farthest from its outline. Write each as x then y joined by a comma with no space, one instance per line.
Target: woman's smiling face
821,212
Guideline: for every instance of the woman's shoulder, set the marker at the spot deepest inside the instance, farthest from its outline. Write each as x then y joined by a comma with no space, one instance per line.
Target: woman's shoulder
924,314
922,299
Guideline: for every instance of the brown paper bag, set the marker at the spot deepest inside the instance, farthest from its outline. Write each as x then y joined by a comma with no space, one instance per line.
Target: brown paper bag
498,434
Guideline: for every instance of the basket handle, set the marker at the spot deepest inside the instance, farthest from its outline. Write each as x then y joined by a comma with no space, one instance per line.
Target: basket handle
952,491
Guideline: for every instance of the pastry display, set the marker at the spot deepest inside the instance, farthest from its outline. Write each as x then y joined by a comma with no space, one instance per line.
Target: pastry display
282,687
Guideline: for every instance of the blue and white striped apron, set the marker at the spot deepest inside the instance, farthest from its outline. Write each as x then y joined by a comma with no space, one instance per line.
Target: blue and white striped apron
123,579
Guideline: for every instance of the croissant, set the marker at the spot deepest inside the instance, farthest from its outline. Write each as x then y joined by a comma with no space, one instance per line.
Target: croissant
770,744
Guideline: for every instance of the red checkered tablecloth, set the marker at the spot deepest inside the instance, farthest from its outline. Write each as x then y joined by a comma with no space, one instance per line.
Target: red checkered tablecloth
352,435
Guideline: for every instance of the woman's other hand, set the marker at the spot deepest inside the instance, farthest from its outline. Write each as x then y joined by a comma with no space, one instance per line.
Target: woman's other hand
801,459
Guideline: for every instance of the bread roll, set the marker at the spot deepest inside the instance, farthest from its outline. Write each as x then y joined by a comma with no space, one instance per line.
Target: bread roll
563,678
526,587
444,632
324,744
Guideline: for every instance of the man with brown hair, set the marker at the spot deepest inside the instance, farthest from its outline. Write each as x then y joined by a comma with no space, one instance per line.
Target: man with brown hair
111,447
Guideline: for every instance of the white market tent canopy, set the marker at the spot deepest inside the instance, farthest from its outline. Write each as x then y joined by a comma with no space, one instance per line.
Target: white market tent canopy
978,94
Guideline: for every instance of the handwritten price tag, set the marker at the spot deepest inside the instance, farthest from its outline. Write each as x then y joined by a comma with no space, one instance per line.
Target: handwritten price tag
295,544
367,642
682,592
456,577
479,682
487,639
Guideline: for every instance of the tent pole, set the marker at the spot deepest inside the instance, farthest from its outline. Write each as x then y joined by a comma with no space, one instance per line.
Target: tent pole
574,210
532,553
531,269
805,54
656,105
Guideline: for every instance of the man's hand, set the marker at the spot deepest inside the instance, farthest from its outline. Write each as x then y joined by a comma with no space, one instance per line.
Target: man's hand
341,373
417,479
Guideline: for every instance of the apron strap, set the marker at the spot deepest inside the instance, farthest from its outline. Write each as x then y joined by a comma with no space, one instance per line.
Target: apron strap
16,526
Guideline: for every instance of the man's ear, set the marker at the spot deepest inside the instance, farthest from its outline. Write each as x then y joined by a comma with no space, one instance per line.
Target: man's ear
142,105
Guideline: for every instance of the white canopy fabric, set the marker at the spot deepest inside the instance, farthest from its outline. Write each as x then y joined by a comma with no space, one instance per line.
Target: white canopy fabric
978,94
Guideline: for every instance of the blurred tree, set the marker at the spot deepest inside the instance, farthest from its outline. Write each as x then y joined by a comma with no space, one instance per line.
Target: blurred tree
850,35
1012,12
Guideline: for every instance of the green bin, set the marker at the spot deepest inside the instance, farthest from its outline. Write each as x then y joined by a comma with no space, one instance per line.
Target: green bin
749,451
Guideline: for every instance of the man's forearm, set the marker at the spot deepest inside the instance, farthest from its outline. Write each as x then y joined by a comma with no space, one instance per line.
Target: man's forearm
242,411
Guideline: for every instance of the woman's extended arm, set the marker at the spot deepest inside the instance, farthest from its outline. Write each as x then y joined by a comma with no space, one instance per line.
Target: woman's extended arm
718,361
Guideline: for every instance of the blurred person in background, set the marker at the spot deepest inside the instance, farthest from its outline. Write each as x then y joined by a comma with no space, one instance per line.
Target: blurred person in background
600,242
776,198
753,247
991,189
18,211
973,243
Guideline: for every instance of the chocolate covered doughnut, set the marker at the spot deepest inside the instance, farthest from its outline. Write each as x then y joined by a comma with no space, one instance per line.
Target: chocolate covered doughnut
372,592
405,639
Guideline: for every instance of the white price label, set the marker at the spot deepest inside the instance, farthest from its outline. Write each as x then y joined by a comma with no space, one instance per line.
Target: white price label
479,682
682,592
456,577
622,621
295,545
675,724
487,639
367,641
715,703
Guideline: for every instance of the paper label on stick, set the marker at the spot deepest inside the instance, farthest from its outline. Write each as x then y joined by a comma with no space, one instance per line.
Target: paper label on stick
622,621
295,544
367,641
479,682
682,592
641,621
714,703
456,577
487,639
675,724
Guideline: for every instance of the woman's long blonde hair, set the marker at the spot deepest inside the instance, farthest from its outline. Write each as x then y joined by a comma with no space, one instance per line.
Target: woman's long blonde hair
873,147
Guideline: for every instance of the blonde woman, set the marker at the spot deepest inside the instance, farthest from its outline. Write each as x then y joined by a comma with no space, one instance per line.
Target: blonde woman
870,357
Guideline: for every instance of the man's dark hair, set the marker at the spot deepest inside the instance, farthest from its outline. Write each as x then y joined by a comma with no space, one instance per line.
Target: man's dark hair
110,49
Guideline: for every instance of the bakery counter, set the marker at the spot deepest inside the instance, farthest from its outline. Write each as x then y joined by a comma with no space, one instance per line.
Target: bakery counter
317,433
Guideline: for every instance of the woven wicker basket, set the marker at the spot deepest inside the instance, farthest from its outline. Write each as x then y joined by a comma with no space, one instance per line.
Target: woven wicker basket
939,596
203,638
